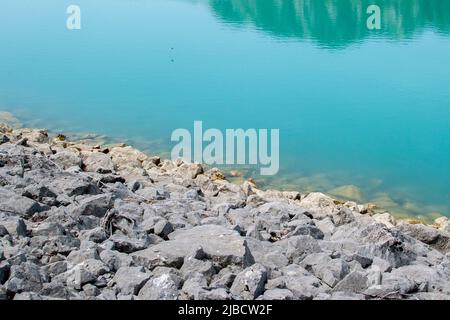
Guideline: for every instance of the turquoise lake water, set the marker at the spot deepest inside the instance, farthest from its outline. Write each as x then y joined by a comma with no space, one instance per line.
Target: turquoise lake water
355,107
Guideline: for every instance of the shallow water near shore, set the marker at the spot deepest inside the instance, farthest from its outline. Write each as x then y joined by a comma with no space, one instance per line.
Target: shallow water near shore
363,115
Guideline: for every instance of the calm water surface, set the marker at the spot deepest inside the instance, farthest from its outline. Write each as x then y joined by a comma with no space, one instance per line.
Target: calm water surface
369,110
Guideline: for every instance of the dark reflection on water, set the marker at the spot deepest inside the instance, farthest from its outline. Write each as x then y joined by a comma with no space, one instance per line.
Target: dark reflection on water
336,23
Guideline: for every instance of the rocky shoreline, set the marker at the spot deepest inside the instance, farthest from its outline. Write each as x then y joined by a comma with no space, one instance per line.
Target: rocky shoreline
79,221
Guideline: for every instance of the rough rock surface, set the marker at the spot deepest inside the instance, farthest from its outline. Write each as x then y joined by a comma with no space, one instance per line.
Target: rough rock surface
89,222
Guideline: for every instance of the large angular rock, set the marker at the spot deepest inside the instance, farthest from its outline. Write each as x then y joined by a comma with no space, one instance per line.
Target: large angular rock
271,255
193,266
193,288
425,278
72,185
55,268
221,245
48,229
319,205
3,295
376,240
79,276
129,280
443,224
96,205
300,282
115,259
127,244
25,277
98,162
67,159
126,157
12,203
4,271
356,282
278,294
329,270
429,235
15,226
298,247
56,244
163,287
249,284
57,289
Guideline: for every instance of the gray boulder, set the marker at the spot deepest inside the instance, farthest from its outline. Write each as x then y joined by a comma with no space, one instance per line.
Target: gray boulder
71,184
129,280
25,277
98,162
126,244
67,158
55,268
356,282
96,205
300,282
15,226
429,235
162,287
298,247
220,244
329,270
249,284
278,294
193,266
3,295
13,203
115,260
4,271
213,294
48,229
78,276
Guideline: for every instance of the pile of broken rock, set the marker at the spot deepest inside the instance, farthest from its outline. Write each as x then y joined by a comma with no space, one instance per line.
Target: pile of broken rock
88,222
